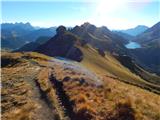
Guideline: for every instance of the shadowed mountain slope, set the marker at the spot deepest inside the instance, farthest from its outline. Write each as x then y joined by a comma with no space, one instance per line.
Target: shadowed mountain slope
148,58
63,45
33,45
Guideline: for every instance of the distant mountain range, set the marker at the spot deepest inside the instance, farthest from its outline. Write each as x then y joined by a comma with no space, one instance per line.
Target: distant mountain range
151,37
135,31
17,27
23,33
16,35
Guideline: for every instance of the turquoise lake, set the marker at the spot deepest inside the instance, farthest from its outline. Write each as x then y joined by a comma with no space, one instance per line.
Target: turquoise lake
132,45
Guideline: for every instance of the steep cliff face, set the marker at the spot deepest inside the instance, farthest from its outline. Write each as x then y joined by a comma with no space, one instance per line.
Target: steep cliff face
63,44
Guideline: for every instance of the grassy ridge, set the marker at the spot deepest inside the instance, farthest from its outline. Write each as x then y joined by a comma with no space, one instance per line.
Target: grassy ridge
110,66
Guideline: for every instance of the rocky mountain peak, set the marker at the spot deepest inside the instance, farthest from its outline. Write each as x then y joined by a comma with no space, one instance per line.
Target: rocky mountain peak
63,44
61,30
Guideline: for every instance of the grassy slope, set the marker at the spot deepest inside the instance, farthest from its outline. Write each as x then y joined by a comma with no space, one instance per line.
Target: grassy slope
116,100
149,77
145,104
110,66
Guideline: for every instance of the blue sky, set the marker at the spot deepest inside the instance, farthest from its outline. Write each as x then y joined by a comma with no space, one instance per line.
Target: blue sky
115,14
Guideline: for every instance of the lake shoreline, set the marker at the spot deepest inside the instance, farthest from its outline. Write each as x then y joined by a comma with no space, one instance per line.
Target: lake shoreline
133,45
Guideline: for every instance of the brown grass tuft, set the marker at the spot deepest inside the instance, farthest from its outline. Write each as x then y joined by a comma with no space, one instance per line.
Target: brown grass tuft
85,112
123,111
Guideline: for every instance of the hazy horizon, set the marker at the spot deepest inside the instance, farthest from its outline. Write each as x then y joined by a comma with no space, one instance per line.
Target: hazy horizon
66,26
122,14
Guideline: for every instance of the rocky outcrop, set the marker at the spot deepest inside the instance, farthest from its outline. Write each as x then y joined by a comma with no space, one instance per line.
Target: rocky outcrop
63,44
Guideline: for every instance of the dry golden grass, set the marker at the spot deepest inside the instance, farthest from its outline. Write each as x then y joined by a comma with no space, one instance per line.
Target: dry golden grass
21,113
111,67
123,111
114,100
16,95
20,95
145,104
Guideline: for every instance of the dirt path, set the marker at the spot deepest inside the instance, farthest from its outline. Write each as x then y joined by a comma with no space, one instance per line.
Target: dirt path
21,95
45,110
